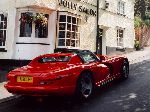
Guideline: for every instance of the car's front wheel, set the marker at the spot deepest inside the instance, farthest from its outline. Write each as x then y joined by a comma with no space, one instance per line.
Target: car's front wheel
84,85
125,70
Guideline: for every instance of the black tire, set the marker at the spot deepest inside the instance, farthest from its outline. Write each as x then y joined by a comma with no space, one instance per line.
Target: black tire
125,70
85,86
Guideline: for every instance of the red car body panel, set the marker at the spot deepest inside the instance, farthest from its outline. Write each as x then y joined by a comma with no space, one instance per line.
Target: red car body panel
61,77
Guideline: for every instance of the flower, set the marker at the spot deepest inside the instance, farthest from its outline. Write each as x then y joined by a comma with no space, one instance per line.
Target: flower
40,19
26,17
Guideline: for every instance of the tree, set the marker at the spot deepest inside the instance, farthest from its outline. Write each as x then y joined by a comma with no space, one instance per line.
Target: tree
142,7
142,21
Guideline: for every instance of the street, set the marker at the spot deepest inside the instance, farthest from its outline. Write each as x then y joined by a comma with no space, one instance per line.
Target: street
131,95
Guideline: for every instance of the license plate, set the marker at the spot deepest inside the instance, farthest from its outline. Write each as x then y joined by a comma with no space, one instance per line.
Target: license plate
25,79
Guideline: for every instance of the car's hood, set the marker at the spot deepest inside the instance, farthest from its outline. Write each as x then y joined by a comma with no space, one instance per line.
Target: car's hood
40,68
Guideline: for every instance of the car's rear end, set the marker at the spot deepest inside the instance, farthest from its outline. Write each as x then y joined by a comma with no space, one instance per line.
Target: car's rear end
43,76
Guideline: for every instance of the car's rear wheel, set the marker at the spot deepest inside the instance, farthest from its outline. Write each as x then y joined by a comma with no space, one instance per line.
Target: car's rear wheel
125,70
84,85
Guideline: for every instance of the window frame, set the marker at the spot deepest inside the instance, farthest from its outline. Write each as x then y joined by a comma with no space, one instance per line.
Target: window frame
89,53
4,30
121,7
120,37
33,29
74,33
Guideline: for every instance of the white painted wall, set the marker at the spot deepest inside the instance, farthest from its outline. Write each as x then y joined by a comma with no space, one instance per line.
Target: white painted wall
108,18
6,7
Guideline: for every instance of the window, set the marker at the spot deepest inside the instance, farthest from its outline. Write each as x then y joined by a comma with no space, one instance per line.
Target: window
26,24
3,30
68,35
88,56
120,37
54,59
121,7
35,24
41,28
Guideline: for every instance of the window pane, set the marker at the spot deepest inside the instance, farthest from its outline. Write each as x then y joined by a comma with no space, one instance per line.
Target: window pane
88,57
61,42
2,17
4,39
121,33
41,26
68,34
5,24
26,24
68,42
74,28
62,18
74,20
41,31
73,43
1,25
73,35
77,43
69,19
61,34
62,26
69,27
1,34
117,33
25,29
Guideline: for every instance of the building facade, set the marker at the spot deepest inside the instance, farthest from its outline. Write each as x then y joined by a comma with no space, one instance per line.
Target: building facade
35,27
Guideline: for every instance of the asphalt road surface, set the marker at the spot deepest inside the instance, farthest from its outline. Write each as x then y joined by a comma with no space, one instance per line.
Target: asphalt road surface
132,95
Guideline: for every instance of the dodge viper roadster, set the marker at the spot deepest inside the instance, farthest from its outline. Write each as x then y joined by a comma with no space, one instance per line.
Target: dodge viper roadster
68,72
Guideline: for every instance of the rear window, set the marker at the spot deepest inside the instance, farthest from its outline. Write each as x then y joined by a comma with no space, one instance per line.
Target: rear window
54,59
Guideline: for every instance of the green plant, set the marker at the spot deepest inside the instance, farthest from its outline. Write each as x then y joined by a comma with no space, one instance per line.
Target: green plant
40,19
136,44
138,22
26,17
147,19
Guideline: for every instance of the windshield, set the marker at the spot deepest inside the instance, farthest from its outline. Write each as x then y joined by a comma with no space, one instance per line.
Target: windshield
54,59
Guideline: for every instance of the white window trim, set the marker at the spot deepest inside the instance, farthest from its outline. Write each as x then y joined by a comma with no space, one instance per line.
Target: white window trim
33,26
72,15
118,42
5,14
32,39
121,7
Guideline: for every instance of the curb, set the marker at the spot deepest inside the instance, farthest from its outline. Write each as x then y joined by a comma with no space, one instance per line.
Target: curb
9,98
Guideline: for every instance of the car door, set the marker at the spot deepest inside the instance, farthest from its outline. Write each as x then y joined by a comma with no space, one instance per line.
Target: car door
100,71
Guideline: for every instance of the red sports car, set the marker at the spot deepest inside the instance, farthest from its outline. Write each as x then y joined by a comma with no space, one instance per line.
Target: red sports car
74,71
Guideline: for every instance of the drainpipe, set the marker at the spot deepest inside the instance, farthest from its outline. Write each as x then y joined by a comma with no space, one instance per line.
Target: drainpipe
98,39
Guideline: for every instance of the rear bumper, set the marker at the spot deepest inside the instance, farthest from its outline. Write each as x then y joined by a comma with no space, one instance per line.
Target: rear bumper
39,91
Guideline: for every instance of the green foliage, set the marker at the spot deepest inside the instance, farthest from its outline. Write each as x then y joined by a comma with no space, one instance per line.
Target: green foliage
147,19
136,44
141,7
138,22
147,22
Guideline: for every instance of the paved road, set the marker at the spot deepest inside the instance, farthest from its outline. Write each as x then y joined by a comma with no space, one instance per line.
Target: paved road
132,95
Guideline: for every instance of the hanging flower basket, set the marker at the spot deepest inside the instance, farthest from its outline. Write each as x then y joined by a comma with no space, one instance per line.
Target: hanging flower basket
26,17
40,19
